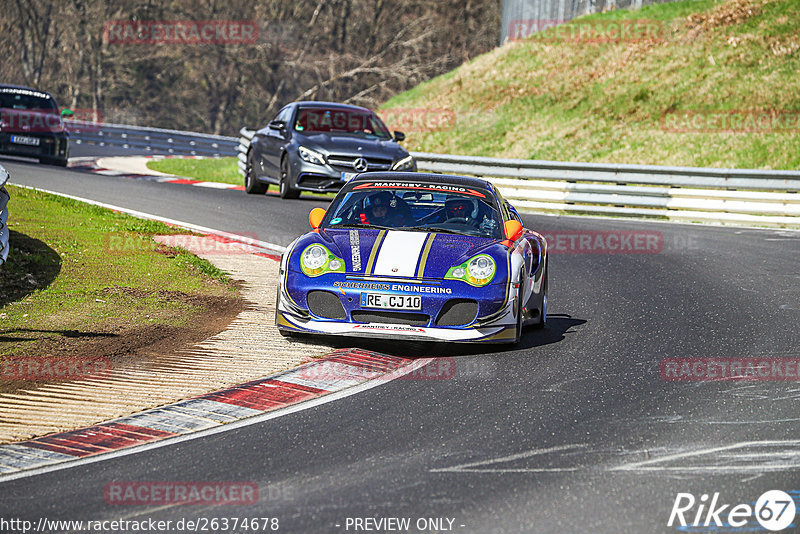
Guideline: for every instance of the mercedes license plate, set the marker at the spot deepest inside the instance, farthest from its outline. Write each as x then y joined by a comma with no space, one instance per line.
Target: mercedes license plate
25,140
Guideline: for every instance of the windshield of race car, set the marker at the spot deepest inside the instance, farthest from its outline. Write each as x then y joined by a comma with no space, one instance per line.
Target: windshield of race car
422,207
321,120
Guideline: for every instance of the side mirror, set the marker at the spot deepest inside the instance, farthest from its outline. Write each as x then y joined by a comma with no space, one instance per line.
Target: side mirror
315,217
276,125
399,136
66,113
513,230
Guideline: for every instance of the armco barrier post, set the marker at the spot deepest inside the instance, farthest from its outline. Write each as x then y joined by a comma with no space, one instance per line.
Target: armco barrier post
4,198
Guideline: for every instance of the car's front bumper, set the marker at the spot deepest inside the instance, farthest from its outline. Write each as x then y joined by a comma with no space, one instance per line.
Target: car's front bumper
325,178
491,334
51,145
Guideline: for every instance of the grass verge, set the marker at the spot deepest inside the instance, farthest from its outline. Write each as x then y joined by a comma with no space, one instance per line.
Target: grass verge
80,272
222,170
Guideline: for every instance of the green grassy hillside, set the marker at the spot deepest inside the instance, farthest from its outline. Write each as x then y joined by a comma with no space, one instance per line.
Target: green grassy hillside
560,98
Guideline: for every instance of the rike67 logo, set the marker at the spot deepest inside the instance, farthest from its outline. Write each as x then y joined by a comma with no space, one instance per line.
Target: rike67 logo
774,511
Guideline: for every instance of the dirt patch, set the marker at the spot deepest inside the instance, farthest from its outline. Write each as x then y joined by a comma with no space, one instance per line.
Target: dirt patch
727,14
116,344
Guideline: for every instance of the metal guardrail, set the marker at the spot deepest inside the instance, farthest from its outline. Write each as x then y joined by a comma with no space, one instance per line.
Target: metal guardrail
688,194
157,140
4,198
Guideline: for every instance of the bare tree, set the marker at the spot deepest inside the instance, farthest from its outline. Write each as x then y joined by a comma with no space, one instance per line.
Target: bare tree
359,51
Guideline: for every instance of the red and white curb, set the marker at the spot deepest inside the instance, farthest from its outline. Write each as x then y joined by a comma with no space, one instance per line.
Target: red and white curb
340,371
90,164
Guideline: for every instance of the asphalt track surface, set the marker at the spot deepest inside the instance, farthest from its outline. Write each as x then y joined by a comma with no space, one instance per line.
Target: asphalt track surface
574,430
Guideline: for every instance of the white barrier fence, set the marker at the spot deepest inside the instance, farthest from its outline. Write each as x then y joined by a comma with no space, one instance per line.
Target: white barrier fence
156,140
4,198
686,194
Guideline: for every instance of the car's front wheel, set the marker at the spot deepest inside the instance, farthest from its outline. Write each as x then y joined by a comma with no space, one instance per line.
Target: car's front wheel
286,189
251,185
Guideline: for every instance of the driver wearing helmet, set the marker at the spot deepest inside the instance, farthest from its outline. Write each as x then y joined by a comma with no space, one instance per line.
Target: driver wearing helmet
458,207
468,210
381,210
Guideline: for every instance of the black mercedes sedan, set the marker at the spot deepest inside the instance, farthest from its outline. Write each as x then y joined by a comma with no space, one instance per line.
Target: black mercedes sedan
320,146
31,125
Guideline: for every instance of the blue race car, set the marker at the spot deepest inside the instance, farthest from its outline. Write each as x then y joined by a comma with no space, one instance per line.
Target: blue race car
415,256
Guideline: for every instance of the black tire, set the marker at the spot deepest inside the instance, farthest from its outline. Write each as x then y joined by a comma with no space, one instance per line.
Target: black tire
286,189
251,185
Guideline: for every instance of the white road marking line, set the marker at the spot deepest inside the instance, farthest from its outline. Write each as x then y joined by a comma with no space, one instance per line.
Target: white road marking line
653,464
214,185
471,467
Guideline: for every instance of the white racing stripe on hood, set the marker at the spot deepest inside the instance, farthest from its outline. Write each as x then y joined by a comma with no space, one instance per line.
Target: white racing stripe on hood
399,253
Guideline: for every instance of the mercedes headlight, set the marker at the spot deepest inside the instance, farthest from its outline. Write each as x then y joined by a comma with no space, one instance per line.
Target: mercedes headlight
477,271
311,156
316,260
405,164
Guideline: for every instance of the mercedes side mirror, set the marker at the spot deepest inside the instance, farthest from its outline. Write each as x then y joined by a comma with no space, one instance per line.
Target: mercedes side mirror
399,136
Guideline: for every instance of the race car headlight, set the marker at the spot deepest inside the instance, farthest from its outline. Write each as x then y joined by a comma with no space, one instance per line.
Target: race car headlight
311,156
316,260
477,271
404,164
